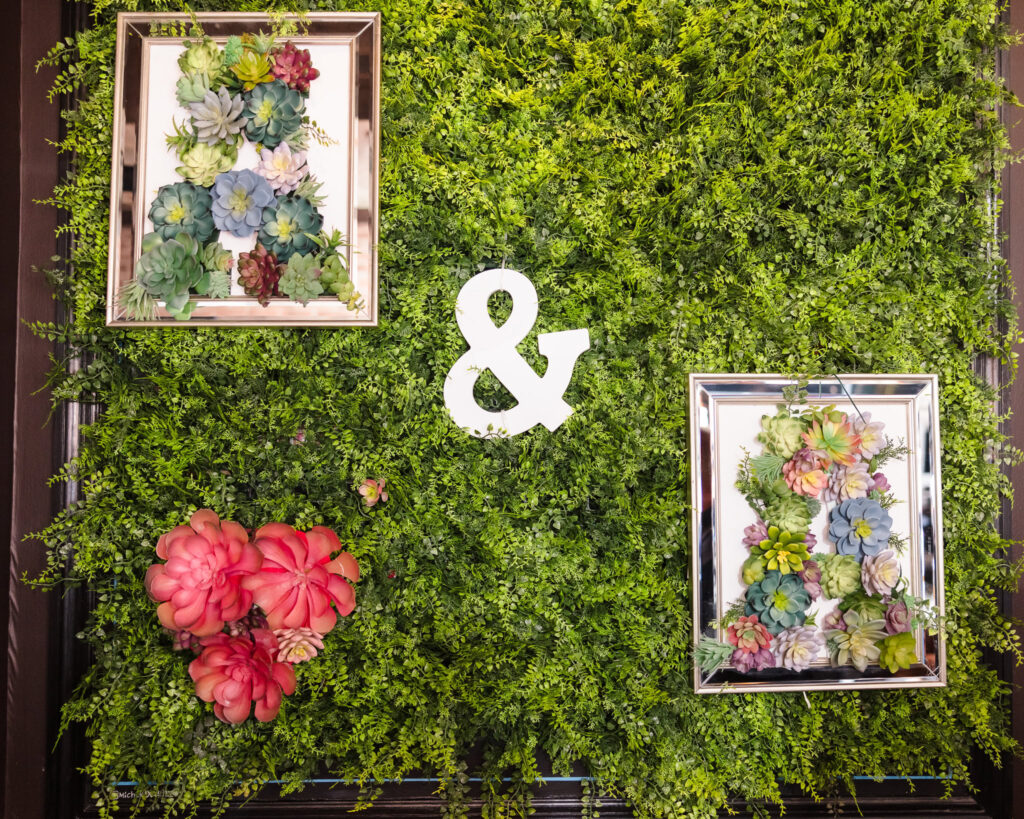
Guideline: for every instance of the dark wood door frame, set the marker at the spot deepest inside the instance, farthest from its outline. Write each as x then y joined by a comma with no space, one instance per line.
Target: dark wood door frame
39,783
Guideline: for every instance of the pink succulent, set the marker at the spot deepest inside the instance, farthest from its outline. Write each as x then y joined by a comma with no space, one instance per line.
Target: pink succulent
242,626
298,580
747,634
235,672
373,491
755,533
184,640
881,483
803,473
297,645
293,67
745,661
200,585
872,437
847,482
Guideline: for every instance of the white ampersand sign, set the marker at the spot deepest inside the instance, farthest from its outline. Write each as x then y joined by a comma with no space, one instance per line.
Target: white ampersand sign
494,348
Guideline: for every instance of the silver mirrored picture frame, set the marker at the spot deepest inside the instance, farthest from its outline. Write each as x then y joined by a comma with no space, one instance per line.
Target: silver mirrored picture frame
360,34
709,436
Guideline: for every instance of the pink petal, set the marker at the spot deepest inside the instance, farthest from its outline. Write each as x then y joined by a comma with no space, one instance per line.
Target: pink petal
346,565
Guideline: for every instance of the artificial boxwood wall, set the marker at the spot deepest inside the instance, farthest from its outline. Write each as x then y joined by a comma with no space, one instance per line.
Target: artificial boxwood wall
729,185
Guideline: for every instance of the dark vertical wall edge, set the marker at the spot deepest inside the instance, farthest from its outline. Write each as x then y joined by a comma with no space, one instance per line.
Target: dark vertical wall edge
1013,249
31,30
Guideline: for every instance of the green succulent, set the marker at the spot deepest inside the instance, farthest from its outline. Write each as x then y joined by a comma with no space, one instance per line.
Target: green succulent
201,163
779,600
753,569
789,513
192,88
217,257
897,651
202,57
233,49
783,551
858,644
182,207
301,279
251,70
272,111
781,434
840,575
170,270
136,302
866,607
334,277
219,284
288,227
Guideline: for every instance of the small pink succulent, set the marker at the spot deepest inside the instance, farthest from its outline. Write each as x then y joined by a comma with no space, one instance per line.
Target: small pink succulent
847,482
242,626
834,620
200,585
897,618
297,645
373,491
804,474
872,438
293,67
881,483
755,533
282,168
747,634
747,661
298,580
235,672
183,640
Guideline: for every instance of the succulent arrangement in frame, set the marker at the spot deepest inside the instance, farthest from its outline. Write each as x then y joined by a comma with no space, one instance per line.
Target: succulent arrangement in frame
252,89
839,596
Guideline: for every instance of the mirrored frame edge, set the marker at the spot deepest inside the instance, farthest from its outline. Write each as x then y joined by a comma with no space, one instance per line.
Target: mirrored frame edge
360,24
701,394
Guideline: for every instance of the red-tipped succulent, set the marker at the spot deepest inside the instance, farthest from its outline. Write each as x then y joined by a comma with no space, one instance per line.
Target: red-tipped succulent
299,581
199,587
234,673
293,67
259,272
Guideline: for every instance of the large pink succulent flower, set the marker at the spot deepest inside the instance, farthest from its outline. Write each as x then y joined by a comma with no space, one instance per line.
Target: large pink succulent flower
299,581
199,587
235,672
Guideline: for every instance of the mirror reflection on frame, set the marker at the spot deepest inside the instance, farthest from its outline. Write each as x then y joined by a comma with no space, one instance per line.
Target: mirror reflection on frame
817,532
244,186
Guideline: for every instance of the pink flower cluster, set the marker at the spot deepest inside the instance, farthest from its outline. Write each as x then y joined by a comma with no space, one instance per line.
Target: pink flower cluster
207,588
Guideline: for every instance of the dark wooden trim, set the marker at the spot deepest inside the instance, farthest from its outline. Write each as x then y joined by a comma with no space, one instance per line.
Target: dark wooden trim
1011,788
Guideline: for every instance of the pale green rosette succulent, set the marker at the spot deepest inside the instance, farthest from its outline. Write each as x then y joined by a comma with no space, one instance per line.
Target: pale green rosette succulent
790,513
866,607
858,644
192,88
301,279
201,163
781,434
217,117
779,600
288,227
182,208
840,575
169,270
202,57
217,262
272,111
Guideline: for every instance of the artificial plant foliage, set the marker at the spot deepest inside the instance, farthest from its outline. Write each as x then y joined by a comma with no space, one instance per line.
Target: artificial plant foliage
707,186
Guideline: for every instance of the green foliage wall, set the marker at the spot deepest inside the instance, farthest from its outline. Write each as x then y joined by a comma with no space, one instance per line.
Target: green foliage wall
708,185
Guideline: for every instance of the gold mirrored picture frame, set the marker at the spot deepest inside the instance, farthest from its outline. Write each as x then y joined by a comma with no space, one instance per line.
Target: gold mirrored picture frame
355,35
716,402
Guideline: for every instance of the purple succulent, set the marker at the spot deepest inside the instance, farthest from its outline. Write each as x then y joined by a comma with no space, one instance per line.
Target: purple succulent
755,533
811,572
834,620
813,589
746,661
184,640
881,483
810,541
897,618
